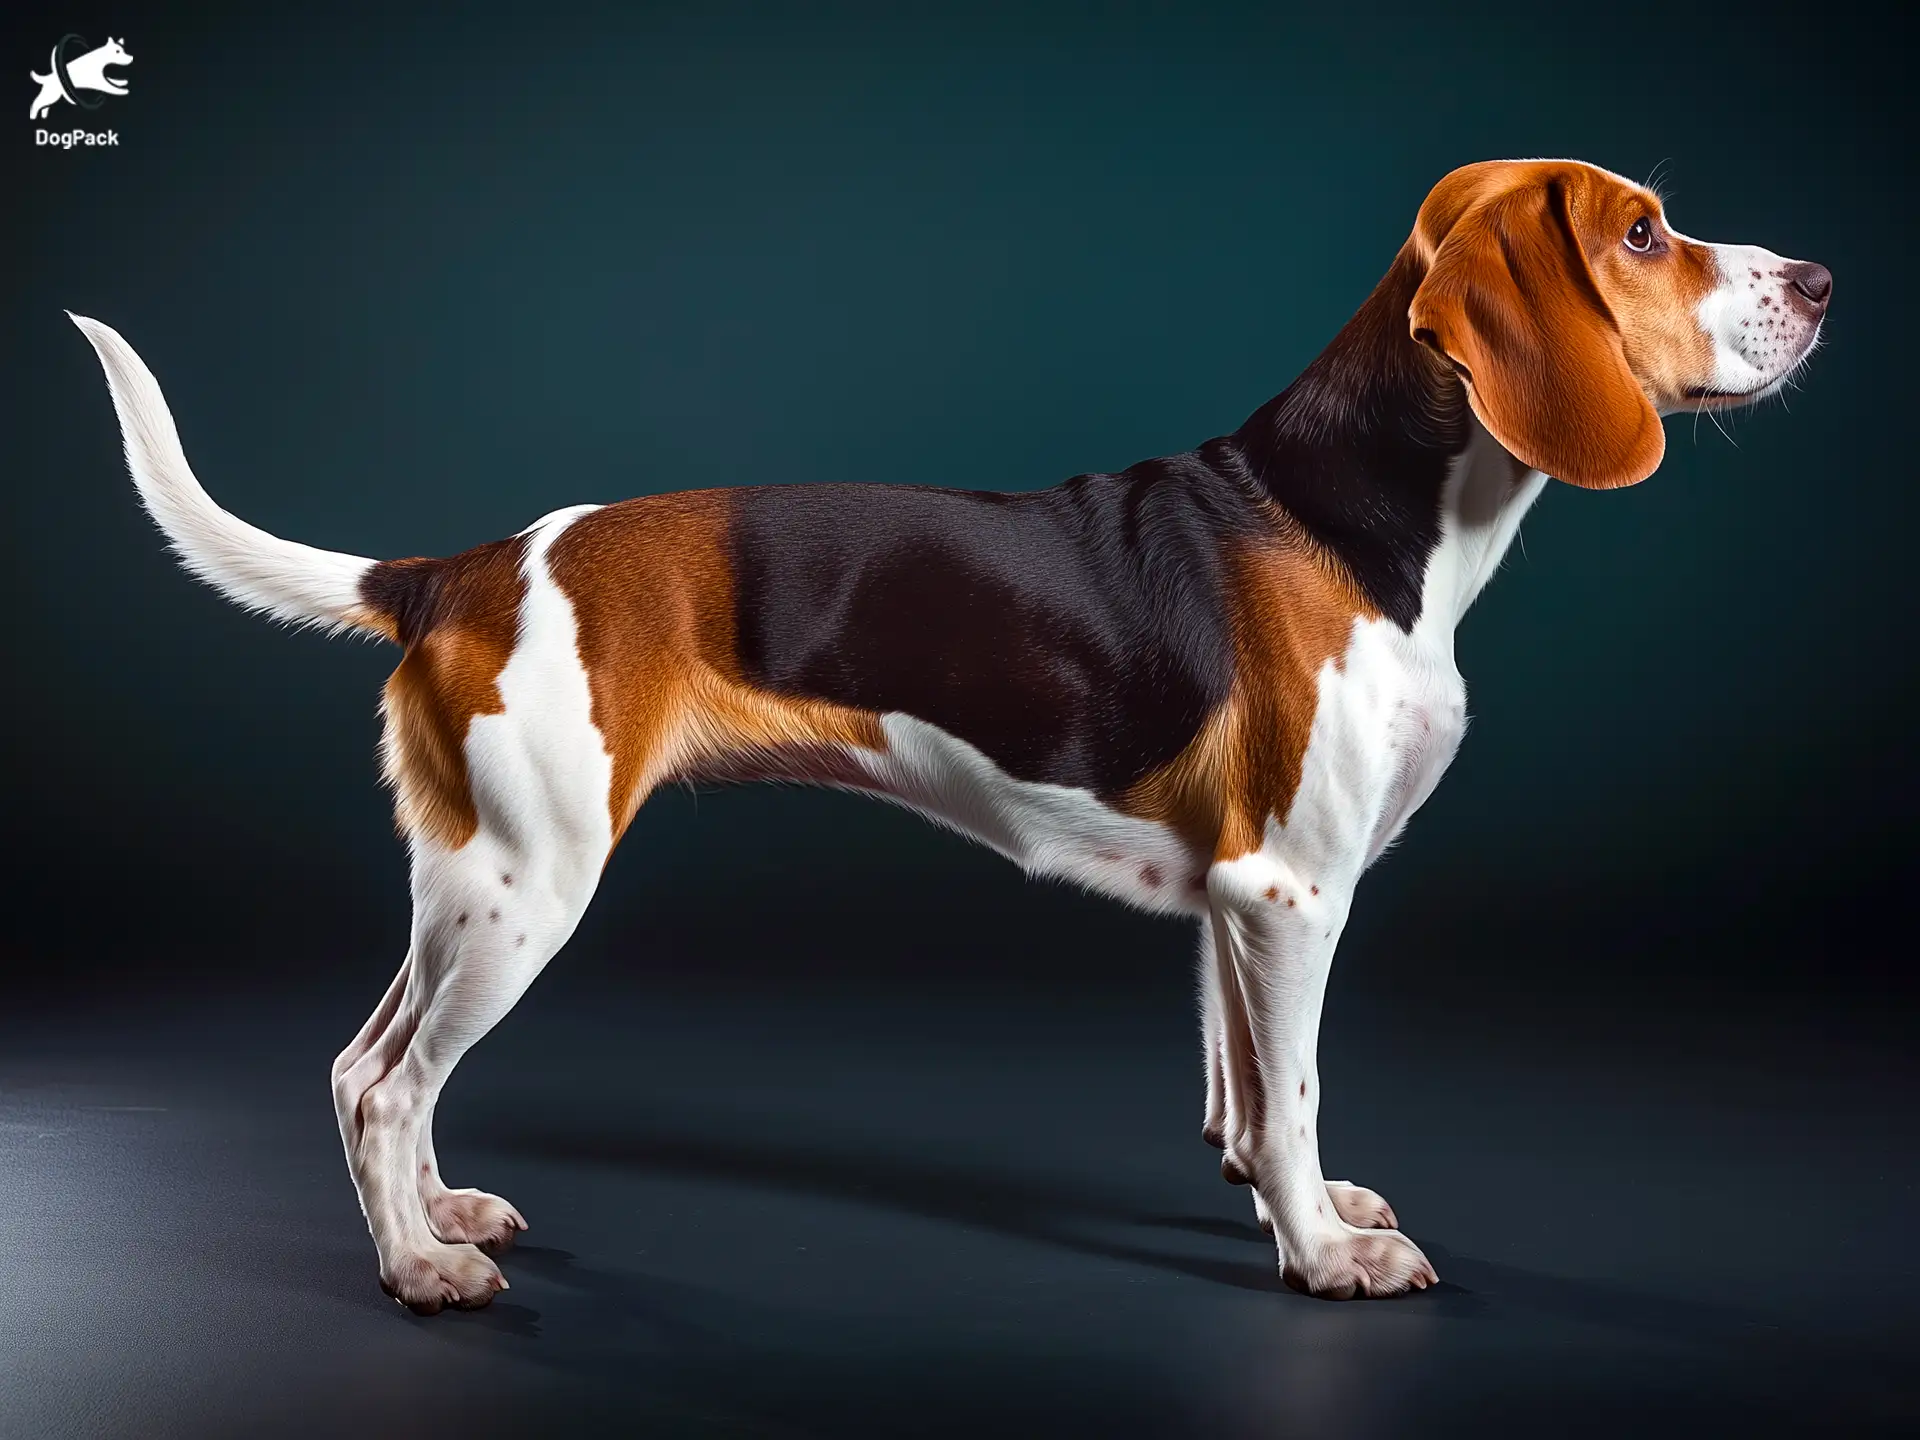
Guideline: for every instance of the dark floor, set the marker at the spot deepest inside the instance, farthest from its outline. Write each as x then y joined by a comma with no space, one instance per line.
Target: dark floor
918,1214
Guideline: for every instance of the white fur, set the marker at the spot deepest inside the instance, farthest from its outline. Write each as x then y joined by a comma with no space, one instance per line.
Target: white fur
281,578
1760,337
1048,830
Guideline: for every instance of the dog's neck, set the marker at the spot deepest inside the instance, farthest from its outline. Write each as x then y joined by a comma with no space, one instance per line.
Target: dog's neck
1487,494
1375,451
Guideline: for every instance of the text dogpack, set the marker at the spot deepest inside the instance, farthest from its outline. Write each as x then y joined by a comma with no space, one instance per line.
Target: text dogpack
68,139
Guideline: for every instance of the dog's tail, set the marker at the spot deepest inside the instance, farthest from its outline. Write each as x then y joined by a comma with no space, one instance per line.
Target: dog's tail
290,582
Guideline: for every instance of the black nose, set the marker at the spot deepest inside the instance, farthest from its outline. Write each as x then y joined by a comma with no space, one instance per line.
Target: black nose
1814,282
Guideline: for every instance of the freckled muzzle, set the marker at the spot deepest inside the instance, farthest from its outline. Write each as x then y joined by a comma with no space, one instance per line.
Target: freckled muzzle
1763,319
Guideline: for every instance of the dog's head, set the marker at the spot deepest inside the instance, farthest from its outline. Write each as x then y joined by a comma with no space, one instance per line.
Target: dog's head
90,70
1577,316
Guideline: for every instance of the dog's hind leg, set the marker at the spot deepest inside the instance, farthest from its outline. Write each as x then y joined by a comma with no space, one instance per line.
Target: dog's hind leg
493,902
487,919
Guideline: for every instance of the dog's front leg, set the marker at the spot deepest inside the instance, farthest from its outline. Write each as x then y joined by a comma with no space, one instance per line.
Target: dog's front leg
1225,1102
1355,1204
1274,933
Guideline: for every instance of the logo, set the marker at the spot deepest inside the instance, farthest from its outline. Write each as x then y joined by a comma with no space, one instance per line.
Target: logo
78,76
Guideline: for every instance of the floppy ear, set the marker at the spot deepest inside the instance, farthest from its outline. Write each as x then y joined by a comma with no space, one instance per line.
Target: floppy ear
1508,298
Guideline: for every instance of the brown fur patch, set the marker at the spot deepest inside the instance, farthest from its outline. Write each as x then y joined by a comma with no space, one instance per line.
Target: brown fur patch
1570,339
1655,298
652,594
1293,610
1511,300
458,617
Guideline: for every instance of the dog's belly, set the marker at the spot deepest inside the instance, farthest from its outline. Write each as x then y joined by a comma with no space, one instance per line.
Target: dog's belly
1051,830
1388,720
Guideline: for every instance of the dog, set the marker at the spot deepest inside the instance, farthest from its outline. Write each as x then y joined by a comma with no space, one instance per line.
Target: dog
1216,684
87,72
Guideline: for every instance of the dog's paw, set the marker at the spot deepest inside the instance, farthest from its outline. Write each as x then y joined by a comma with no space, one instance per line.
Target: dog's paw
1357,1263
1355,1204
1361,1207
427,1281
473,1217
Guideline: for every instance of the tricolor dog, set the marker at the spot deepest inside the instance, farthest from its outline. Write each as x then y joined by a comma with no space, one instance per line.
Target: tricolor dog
1215,684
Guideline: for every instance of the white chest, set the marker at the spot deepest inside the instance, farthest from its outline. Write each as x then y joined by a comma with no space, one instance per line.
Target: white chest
1425,724
1389,721
1393,712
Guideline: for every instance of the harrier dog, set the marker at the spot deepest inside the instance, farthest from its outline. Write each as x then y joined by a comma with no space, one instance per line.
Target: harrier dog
1215,684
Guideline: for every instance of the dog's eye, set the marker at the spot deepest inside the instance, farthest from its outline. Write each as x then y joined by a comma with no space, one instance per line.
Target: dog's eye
1640,236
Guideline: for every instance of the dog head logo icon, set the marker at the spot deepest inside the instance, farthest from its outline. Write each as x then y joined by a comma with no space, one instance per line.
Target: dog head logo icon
72,76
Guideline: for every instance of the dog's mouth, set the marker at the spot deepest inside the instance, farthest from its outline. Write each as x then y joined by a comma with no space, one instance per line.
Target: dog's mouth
1706,397
1772,375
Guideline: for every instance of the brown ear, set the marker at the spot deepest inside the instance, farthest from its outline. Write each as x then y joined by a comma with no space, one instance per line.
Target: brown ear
1508,298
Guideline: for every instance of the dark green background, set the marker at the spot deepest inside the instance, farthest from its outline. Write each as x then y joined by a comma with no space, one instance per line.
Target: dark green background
412,282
